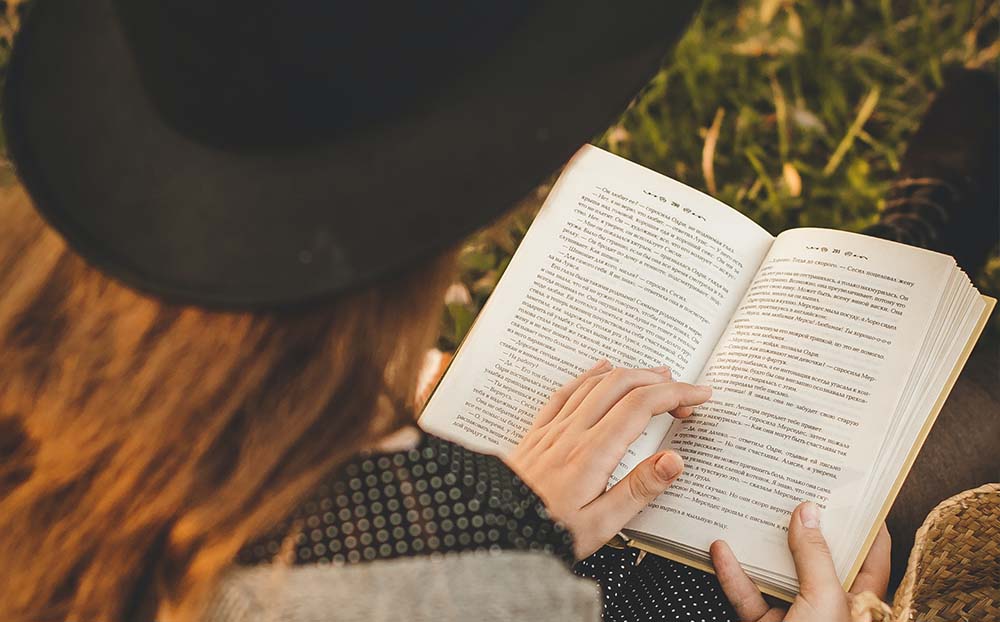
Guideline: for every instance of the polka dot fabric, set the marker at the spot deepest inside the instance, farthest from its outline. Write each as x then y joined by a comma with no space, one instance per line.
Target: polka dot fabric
440,498
656,589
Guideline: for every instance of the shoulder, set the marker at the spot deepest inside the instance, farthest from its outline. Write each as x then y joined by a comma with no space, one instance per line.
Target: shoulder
481,586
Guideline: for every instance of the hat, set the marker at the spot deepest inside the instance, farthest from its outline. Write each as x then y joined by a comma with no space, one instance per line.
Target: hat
258,155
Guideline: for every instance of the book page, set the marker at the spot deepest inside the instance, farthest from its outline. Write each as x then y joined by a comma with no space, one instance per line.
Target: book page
621,263
806,380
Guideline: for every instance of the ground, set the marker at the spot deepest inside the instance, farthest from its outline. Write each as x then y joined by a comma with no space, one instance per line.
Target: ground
795,113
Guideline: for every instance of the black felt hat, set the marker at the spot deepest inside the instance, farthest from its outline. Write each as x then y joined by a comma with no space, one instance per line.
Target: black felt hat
250,154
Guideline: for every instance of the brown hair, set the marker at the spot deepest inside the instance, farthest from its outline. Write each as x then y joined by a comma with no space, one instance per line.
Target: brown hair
142,444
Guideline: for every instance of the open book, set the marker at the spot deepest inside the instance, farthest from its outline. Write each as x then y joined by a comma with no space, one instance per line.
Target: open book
830,354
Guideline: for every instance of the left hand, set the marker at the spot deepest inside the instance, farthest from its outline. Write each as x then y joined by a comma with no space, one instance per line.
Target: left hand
579,438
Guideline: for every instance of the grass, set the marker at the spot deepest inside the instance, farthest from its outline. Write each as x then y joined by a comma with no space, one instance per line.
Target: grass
795,113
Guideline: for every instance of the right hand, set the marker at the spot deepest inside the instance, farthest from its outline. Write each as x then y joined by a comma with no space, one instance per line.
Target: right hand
580,436
821,597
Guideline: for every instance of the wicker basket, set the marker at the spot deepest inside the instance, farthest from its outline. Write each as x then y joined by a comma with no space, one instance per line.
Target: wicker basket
954,567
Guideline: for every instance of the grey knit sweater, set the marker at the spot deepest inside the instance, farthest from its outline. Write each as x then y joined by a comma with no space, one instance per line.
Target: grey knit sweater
470,586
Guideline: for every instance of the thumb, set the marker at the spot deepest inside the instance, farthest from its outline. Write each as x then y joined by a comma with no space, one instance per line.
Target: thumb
813,562
634,492
648,480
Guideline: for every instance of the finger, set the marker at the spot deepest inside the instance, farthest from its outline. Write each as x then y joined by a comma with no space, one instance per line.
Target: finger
682,411
610,511
579,395
589,385
813,562
611,389
630,416
774,614
563,394
874,573
742,594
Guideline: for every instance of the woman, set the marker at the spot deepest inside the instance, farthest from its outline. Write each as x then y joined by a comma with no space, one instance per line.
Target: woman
212,341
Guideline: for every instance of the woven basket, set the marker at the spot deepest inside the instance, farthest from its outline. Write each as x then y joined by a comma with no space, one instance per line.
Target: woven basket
954,567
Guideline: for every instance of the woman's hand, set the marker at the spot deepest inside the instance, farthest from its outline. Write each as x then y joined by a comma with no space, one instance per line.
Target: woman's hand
821,597
580,436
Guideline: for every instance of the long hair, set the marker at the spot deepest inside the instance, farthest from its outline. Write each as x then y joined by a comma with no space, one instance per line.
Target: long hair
142,443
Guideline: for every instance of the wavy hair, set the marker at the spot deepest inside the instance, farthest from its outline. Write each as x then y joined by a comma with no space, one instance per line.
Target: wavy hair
142,443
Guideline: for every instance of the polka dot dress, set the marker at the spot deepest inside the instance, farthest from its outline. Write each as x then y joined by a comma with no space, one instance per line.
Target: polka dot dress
439,497
656,589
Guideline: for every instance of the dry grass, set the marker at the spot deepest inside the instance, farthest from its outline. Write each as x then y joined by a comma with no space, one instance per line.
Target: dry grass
795,113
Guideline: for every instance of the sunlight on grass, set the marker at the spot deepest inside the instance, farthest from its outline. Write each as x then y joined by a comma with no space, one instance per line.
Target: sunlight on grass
794,113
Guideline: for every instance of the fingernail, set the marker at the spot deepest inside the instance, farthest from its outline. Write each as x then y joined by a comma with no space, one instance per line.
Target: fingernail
663,369
705,388
809,515
600,364
669,465
722,544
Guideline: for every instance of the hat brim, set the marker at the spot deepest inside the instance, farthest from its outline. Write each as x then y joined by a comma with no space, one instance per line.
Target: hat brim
252,230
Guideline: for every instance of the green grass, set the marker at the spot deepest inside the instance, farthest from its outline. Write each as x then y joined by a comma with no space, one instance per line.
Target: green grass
812,104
